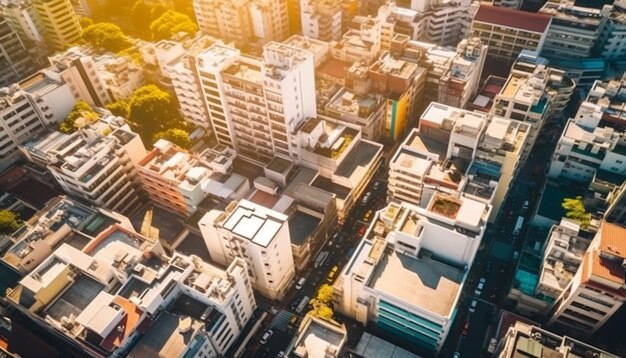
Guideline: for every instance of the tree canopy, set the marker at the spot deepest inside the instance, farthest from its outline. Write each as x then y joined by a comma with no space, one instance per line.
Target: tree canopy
322,302
180,137
9,222
81,114
152,110
107,36
171,23
119,108
575,209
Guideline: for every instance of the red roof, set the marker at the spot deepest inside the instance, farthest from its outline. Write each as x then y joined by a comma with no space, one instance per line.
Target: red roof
517,19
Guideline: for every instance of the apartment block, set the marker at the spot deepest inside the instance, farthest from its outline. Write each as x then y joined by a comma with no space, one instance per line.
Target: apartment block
611,44
508,31
179,181
78,69
523,339
321,19
259,236
61,221
28,108
358,108
320,49
361,42
60,23
249,24
606,99
94,167
453,75
15,60
23,19
409,244
532,93
616,205
595,293
102,298
573,32
560,259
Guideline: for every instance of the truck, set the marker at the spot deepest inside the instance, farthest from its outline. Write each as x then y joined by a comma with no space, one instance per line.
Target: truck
518,225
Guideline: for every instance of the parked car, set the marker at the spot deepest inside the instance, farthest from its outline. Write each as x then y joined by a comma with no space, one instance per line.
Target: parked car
300,283
266,336
472,307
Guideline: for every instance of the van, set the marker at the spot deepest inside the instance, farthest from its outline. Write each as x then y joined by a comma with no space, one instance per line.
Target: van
300,283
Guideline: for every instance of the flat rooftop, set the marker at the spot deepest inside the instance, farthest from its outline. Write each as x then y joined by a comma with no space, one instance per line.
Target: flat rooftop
75,299
255,223
301,225
327,185
422,143
426,283
165,339
415,163
361,155
373,347
317,338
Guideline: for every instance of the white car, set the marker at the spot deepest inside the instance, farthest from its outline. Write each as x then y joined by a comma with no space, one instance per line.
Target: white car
472,308
300,283
266,336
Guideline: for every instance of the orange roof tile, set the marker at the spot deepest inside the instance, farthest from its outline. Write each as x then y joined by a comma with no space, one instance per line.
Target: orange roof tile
129,323
613,239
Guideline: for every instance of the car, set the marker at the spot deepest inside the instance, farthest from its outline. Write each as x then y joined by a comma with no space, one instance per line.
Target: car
362,231
515,255
525,205
293,320
456,355
466,328
482,280
472,307
367,216
280,354
331,275
376,185
300,283
266,336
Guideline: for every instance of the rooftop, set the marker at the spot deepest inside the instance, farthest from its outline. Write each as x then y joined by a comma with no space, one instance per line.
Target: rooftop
360,157
254,222
301,225
318,337
511,18
426,283
370,346
169,337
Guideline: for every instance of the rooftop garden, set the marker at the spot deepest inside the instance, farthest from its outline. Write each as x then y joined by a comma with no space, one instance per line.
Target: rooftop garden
447,207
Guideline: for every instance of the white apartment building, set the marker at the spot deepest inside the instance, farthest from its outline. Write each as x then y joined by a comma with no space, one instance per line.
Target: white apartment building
121,76
23,19
320,49
78,69
573,32
361,42
27,109
95,167
321,19
612,44
508,31
259,236
60,23
366,110
596,291
409,244
101,298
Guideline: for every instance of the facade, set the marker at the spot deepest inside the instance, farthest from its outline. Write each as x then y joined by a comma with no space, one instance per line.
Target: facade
596,290
408,244
508,31
321,20
23,19
15,60
361,42
94,167
522,338
101,300
77,68
60,23
611,44
27,109
259,236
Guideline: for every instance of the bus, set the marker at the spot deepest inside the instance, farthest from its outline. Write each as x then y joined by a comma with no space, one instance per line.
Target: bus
518,225
319,260
305,300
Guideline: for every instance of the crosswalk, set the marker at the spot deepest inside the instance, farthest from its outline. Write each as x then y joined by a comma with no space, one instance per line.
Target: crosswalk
281,320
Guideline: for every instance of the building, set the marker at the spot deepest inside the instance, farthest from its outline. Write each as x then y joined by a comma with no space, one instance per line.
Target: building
605,98
102,299
523,339
77,68
27,109
508,31
429,251
610,44
321,19
319,338
616,205
60,22
249,24
23,19
486,95
95,167
365,110
596,291
257,235
361,42
121,76
179,181
16,62
573,32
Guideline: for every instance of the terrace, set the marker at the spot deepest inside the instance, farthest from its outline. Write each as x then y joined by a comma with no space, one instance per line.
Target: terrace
446,206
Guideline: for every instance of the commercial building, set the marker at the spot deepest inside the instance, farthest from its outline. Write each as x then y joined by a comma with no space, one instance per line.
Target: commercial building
596,291
102,299
60,23
428,250
508,31
257,235
95,167
27,109
523,339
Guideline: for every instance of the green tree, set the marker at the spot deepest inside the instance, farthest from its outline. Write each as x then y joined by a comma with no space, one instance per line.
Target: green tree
107,36
180,137
85,21
325,294
9,221
171,23
153,110
119,108
575,209
81,115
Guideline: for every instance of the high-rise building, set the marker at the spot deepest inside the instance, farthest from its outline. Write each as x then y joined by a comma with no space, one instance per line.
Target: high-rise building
60,23
94,166
259,236
15,61
23,19
321,19
611,44
508,31
596,291
27,109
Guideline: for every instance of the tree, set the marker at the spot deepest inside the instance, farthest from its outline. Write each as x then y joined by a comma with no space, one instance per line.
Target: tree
325,294
180,137
9,222
153,110
107,36
85,22
575,209
325,312
81,115
119,108
171,23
